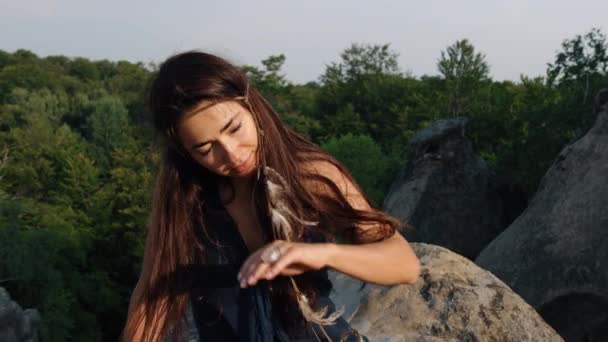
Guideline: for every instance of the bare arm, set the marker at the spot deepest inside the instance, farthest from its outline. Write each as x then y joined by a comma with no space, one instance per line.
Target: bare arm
387,262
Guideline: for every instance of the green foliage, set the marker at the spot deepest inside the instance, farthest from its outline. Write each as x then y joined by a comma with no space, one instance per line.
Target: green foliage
269,80
47,269
365,161
83,69
293,103
37,152
73,210
362,59
5,59
107,129
579,72
128,82
580,58
519,133
464,73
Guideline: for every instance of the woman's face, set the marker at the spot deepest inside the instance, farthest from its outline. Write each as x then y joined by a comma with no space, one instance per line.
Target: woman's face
223,138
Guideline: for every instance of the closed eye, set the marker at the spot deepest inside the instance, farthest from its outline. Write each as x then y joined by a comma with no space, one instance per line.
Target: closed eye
204,153
236,128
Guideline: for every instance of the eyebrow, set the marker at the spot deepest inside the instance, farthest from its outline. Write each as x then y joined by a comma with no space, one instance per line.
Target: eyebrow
197,145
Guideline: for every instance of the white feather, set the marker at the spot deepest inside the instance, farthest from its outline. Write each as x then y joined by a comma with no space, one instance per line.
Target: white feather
278,192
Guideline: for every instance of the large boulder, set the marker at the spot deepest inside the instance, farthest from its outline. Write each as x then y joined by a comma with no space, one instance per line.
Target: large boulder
445,192
453,300
555,254
16,324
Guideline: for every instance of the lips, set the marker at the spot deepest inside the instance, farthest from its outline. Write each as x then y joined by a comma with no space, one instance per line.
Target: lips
245,165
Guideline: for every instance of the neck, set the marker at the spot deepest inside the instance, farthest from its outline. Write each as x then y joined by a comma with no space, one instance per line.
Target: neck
242,186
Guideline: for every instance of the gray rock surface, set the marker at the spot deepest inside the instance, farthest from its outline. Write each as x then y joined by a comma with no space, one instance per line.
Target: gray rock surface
445,191
16,324
555,254
453,300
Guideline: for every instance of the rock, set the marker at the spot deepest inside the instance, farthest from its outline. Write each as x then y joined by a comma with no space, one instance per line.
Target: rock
453,300
17,325
445,192
600,101
555,254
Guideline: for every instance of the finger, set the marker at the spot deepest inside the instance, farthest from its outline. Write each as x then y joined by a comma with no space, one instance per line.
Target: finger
243,270
257,273
254,258
292,270
259,253
248,274
250,266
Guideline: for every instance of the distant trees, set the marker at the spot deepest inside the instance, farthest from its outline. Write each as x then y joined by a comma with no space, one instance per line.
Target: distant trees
578,71
360,60
464,72
107,128
365,161
269,80
580,59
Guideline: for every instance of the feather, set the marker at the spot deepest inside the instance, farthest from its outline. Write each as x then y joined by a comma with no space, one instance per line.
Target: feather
277,192
281,226
278,195
309,314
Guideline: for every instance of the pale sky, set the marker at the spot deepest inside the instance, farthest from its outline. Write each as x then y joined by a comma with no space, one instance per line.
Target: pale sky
517,37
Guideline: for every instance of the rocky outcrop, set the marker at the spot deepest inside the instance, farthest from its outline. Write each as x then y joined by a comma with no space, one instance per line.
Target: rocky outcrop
445,191
453,300
555,254
16,324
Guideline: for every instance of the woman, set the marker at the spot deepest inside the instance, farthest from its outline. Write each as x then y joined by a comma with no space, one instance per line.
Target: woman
244,215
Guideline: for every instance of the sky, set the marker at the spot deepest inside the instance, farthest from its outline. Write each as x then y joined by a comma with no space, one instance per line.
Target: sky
517,37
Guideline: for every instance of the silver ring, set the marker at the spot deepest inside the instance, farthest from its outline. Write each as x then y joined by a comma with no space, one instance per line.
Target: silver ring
271,255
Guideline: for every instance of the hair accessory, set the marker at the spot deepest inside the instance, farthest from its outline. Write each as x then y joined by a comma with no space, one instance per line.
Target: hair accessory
282,219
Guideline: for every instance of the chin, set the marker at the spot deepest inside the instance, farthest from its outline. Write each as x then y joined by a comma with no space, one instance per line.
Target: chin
248,174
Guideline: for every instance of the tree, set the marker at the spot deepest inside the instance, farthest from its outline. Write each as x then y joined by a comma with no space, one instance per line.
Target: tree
579,71
362,59
581,57
268,80
128,83
366,162
107,128
464,72
363,92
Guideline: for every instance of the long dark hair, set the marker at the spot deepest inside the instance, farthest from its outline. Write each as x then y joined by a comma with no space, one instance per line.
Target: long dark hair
181,83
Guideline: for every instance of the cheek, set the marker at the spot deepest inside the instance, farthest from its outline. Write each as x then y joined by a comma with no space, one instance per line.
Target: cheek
208,162
213,163
252,135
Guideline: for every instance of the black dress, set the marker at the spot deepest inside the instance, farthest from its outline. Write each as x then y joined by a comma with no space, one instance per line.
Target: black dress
223,311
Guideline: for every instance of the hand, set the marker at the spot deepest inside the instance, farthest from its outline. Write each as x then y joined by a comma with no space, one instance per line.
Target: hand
295,258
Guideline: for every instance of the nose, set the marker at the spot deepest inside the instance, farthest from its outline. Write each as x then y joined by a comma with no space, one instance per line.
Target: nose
231,155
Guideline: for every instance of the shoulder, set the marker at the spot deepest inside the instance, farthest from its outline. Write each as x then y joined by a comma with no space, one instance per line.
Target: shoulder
321,168
325,170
